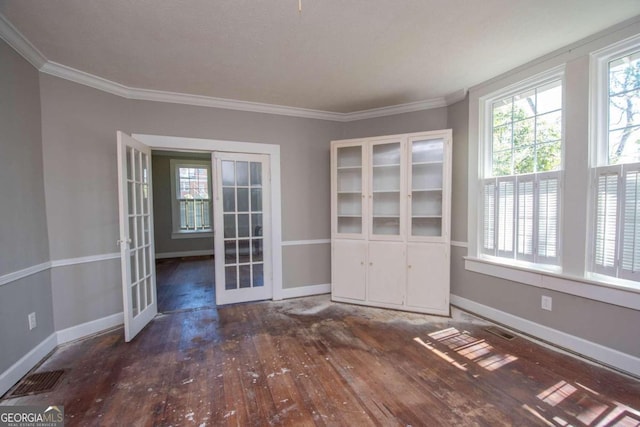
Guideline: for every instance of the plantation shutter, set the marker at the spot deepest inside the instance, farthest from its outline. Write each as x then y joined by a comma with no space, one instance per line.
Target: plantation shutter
548,216
630,245
506,216
526,210
489,217
606,222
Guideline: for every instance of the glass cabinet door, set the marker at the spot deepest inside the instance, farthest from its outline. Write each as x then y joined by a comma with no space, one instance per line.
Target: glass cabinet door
425,191
385,193
349,194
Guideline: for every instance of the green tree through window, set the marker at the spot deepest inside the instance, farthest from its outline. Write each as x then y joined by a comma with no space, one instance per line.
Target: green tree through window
527,131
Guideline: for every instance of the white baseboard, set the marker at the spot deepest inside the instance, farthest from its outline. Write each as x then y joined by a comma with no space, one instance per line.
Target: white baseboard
305,291
19,369
89,328
184,254
605,355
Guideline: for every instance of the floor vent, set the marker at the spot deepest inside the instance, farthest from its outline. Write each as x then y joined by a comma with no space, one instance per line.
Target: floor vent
500,332
40,382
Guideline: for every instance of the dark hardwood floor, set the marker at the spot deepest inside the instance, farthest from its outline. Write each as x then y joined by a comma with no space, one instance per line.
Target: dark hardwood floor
185,283
312,362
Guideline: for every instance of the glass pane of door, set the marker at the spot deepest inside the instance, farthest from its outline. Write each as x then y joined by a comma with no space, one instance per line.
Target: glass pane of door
243,238
349,194
385,189
426,187
139,219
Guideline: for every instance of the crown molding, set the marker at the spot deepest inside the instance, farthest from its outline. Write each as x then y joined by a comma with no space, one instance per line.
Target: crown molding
456,96
23,46
393,109
86,79
20,44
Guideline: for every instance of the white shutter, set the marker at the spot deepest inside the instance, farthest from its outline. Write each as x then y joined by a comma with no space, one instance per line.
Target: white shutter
489,217
506,216
526,210
548,217
605,241
630,236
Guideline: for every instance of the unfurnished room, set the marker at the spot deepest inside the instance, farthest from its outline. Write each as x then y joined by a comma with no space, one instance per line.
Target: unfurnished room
319,212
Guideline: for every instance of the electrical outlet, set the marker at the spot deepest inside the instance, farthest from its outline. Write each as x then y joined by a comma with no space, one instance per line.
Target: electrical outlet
546,302
32,321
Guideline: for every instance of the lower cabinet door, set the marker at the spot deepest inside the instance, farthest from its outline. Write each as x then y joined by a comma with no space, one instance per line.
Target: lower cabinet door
428,277
387,266
348,269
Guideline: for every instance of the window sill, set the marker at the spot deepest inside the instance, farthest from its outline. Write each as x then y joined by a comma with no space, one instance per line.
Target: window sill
192,234
611,291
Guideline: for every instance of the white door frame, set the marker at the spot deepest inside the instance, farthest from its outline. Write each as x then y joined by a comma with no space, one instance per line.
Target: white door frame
173,143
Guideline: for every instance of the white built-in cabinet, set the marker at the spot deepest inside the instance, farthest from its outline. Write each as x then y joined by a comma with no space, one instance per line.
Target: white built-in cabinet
390,221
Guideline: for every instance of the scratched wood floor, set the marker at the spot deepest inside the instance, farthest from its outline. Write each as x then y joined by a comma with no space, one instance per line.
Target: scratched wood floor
312,362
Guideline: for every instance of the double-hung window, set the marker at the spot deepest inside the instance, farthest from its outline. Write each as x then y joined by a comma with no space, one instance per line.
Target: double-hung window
522,142
191,197
615,236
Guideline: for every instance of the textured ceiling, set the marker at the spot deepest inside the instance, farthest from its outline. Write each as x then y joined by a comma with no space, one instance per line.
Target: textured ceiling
337,55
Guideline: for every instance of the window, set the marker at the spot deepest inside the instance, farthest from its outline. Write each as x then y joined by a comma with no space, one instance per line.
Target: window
521,180
616,224
191,197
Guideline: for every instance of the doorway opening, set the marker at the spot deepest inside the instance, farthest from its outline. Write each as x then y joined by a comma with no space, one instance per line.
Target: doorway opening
248,268
183,230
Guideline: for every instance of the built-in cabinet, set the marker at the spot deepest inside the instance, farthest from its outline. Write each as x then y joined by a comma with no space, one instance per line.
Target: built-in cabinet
390,221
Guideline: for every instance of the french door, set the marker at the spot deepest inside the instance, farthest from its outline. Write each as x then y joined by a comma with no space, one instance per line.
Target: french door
242,221
136,235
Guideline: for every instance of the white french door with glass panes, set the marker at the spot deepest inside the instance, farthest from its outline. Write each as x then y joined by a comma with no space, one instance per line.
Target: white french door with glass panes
242,224
136,235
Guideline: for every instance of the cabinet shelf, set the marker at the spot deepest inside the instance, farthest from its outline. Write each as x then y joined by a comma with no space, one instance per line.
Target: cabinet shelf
426,190
432,162
386,216
344,168
391,165
349,216
426,216
349,192
385,191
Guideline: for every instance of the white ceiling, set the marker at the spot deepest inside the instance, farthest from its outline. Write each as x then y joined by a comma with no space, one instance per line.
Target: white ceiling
337,55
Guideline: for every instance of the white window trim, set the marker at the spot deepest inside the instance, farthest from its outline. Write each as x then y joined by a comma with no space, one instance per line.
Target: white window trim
176,233
599,156
599,95
484,160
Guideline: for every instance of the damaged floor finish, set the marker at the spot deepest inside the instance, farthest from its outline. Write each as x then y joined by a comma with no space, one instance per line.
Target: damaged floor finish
311,362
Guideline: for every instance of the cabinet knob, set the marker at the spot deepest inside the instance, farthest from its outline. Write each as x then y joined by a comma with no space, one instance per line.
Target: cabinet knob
370,263
361,262
409,195
409,265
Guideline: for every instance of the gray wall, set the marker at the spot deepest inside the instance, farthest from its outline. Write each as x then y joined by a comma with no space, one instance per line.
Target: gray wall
162,216
417,121
80,173
23,229
458,122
